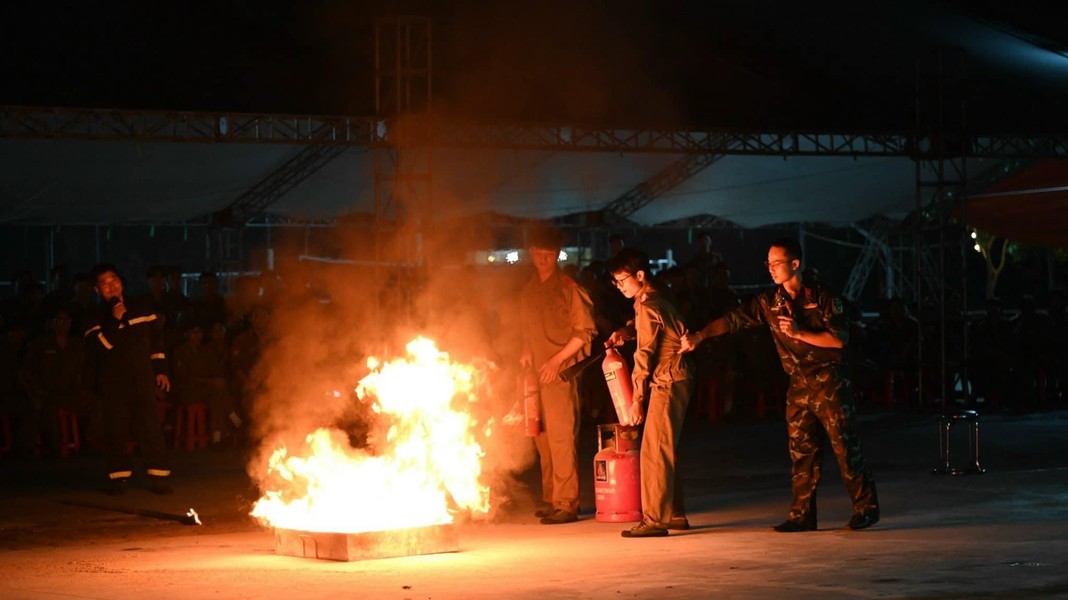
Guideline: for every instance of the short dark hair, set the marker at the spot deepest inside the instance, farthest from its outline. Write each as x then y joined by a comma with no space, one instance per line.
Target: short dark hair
102,268
629,261
545,236
793,249
155,270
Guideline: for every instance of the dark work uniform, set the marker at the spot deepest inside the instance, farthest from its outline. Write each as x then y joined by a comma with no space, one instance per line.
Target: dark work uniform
126,355
820,395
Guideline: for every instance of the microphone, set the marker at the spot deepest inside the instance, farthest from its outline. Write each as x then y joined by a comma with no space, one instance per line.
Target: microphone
115,300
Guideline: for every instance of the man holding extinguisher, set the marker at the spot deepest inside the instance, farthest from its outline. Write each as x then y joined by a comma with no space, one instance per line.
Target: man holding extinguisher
557,328
663,376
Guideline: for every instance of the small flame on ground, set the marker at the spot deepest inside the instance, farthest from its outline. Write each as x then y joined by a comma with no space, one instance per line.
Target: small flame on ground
196,517
428,457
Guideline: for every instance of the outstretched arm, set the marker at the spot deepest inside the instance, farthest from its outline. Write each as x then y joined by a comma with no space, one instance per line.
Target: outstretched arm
692,340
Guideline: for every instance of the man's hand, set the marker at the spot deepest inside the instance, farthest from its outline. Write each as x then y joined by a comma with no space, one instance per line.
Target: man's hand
788,326
689,342
526,359
163,382
617,338
550,371
637,412
118,310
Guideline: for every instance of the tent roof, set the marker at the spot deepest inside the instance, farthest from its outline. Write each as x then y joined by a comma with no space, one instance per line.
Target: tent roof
770,64
48,181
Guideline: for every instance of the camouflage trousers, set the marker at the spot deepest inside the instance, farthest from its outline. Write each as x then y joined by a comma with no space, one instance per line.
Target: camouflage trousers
821,402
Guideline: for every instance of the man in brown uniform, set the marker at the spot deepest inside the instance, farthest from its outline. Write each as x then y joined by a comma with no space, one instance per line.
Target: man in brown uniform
810,329
663,376
557,330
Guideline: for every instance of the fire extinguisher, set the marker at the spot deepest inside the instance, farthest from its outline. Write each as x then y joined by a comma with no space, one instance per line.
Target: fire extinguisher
531,402
617,376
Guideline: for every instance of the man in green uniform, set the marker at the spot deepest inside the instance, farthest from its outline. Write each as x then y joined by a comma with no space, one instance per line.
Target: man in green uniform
810,330
557,328
663,376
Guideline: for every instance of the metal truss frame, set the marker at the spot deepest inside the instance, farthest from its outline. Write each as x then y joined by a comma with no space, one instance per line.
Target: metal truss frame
659,184
278,183
27,122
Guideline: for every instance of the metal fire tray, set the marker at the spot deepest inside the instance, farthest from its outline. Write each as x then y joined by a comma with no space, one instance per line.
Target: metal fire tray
432,539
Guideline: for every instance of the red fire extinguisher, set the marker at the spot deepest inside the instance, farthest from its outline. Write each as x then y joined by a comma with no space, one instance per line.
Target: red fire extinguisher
531,402
617,376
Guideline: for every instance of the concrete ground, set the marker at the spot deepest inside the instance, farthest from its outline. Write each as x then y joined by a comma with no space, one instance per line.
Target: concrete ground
1003,534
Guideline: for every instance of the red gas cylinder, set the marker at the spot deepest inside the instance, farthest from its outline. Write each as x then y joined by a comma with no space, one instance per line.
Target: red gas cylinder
617,376
617,478
528,382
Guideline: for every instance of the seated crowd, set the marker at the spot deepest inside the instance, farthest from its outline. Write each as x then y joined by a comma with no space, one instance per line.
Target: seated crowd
212,347
45,387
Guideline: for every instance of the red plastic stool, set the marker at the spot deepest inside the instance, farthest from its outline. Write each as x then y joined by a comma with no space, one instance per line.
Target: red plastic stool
194,417
712,400
5,427
69,441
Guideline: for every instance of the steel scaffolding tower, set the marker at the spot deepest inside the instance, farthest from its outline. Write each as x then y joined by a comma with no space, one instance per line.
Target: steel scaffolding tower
941,210
403,172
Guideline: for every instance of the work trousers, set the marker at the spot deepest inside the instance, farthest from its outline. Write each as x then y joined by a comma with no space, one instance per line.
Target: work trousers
557,445
661,487
127,404
817,402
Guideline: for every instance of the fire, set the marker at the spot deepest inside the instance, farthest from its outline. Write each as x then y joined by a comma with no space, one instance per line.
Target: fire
428,456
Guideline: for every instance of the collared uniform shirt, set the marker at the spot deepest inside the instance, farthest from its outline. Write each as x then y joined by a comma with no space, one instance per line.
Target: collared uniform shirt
659,328
813,308
553,312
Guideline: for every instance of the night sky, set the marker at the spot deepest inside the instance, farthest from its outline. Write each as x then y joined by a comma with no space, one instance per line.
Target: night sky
767,64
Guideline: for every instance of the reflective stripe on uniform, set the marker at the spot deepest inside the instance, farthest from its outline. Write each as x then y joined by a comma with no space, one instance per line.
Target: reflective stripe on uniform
120,475
91,330
104,340
146,319
158,355
159,472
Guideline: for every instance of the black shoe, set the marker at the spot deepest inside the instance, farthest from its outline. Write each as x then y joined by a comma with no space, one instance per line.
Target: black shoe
541,513
559,517
863,520
160,486
117,486
643,529
793,527
678,524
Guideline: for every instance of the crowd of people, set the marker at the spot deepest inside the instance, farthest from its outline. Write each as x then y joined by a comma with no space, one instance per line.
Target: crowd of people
122,366
62,358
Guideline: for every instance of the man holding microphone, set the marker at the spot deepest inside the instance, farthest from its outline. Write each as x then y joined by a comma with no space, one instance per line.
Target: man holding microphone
126,356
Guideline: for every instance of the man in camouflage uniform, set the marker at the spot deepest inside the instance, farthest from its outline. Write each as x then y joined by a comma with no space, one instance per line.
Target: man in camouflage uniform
557,328
810,330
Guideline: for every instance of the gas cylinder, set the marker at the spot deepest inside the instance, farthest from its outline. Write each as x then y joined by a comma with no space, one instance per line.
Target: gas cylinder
617,376
528,382
617,477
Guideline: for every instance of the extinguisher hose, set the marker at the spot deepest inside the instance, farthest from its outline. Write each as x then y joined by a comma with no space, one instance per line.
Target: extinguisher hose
576,369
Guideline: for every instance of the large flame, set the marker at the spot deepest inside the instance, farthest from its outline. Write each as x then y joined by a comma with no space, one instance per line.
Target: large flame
428,456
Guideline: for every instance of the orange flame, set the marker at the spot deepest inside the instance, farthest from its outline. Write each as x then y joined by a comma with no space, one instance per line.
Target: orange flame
428,456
